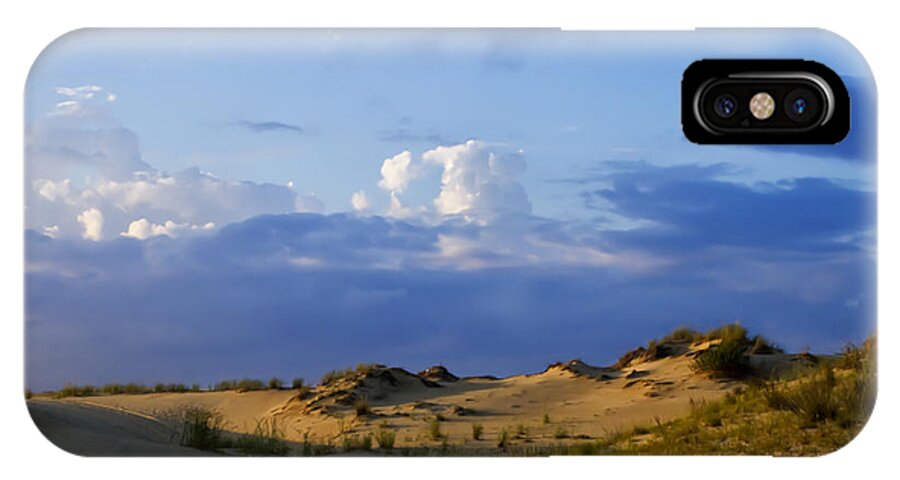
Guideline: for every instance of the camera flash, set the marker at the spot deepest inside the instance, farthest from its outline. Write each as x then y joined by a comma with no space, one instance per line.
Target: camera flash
762,105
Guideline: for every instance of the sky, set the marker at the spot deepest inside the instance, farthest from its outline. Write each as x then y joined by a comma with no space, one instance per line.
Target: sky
215,204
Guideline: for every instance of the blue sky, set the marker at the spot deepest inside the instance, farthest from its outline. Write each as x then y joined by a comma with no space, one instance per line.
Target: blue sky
493,201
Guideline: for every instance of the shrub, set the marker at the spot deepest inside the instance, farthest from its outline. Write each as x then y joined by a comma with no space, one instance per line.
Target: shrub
195,387
762,346
297,383
629,357
70,390
434,429
560,433
28,394
335,375
726,360
250,384
127,389
243,384
682,335
365,368
729,333
857,357
385,438
477,431
202,429
546,419
275,383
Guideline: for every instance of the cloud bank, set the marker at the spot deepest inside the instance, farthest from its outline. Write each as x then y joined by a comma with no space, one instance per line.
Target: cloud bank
301,293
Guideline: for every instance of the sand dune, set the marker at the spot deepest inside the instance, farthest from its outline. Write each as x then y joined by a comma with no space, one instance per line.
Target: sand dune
568,402
92,431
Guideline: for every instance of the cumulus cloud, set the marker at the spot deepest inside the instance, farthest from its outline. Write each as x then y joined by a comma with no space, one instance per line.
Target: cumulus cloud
190,195
360,202
143,229
92,222
397,172
476,179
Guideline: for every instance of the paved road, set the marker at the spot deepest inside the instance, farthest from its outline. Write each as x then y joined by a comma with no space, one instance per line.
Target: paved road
101,432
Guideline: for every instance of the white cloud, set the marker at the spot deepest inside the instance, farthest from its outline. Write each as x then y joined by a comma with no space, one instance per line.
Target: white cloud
82,92
360,201
92,222
397,171
397,210
186,197
143,229
51,231
477,180
52,190
82,101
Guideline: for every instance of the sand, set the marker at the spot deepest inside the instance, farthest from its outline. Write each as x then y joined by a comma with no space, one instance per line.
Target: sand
567,403
91,431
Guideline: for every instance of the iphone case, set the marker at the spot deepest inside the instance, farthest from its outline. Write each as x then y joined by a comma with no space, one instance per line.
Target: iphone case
437,242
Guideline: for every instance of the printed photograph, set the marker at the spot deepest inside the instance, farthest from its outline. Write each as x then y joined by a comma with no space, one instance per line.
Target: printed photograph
437,243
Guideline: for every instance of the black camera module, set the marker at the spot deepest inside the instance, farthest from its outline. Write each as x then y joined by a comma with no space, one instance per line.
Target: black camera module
725,105
805,102
801,105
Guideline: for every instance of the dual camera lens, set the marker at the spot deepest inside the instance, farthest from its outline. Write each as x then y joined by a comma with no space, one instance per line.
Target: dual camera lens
798,105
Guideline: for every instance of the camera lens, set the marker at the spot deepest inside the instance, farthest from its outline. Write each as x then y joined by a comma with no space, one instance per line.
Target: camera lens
725,105
801,105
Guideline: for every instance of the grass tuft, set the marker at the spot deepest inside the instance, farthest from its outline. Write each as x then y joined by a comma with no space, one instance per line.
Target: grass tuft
434,429
267,439
202,429
503,438
477,431
357,442
361,406
385,438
